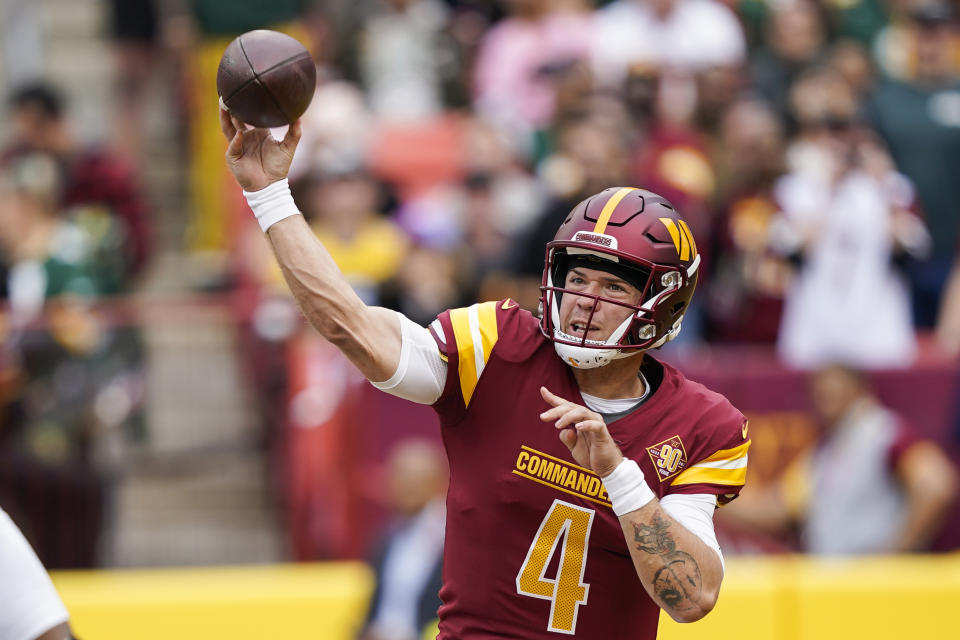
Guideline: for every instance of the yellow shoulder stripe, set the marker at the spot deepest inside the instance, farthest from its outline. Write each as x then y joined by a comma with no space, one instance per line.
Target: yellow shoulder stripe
706,475
729,454
475,333
726,467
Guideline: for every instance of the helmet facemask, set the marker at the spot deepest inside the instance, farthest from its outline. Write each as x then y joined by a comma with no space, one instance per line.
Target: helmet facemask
637,332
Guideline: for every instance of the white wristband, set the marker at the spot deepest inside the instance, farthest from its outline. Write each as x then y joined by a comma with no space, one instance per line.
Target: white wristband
272,204
626,487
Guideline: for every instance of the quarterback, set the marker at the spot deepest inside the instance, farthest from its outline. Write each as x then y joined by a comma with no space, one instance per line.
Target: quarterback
583,472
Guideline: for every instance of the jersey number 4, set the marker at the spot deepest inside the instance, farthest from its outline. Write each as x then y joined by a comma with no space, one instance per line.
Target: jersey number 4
567,591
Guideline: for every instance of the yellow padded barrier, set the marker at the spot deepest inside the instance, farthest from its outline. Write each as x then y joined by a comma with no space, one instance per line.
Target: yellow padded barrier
788,598
802,598
234,603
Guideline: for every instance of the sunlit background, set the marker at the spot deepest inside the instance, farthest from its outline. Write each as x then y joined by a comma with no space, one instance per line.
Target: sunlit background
191,461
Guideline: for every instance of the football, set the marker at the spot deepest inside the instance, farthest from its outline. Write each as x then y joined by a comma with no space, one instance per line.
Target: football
266,78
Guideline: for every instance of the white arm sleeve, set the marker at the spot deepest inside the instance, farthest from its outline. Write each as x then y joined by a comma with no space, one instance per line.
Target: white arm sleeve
695,512
29,605
421,372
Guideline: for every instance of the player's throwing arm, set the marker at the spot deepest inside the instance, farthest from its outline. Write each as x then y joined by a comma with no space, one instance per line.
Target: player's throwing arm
368,336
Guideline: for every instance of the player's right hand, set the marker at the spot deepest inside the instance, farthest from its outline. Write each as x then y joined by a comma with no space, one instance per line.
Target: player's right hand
255,158
584,433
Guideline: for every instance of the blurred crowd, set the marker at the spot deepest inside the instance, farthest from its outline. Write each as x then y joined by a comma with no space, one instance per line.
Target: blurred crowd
812,145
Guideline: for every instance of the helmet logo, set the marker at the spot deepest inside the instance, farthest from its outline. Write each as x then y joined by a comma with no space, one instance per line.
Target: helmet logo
682,238
601,239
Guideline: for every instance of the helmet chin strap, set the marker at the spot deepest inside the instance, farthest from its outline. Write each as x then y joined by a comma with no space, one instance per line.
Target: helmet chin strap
588,357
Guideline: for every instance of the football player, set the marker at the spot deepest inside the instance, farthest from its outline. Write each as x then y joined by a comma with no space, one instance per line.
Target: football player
583,472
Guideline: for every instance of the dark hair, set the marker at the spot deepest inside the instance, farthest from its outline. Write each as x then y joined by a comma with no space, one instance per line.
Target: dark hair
39,95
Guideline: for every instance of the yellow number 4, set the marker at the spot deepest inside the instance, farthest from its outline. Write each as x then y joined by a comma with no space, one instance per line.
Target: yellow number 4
567,591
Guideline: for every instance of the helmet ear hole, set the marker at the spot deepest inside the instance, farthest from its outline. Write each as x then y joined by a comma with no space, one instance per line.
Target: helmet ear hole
677,309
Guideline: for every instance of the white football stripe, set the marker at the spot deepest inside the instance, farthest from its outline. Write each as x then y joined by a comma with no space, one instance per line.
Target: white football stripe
438,329
473,315
739,463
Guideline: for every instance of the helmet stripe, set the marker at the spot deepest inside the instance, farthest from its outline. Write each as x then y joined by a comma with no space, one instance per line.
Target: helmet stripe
608,208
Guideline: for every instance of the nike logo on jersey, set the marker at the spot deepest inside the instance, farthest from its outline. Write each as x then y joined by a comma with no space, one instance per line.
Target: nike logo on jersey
509,304
743,431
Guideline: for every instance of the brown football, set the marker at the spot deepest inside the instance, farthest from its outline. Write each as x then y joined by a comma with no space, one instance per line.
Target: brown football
266,78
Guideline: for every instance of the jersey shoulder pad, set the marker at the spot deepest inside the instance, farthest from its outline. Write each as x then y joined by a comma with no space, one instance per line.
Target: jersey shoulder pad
469,338
719,442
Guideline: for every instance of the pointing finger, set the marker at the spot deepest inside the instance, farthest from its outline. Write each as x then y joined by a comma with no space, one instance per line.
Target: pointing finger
551,399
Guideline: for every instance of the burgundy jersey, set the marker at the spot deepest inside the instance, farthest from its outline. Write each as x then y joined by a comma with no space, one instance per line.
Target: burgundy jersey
533,548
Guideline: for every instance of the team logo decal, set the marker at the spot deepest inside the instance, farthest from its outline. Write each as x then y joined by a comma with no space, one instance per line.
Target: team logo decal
669,457
682,238
601,239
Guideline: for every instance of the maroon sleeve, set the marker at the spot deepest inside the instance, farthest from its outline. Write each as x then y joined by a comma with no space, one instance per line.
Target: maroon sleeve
718,457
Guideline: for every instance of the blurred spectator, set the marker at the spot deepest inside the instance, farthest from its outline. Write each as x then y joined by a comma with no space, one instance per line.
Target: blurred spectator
47,254
919,119
795,39
20,42
409,563
674,158
94,176
401,57
519,58
948,325
675,35
589,155
344,210
851,60
869,486
73,388
135,27
432,278
747,281
845,220
861,20
337,128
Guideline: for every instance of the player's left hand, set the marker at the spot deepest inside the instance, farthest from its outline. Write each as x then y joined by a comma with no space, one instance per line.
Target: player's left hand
584,432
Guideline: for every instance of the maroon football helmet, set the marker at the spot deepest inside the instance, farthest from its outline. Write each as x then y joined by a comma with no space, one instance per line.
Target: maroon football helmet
638,236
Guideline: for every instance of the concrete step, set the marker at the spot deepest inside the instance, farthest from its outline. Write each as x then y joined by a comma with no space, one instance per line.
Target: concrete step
214,511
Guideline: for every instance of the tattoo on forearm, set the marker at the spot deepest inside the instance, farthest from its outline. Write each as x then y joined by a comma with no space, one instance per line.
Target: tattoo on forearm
677,583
